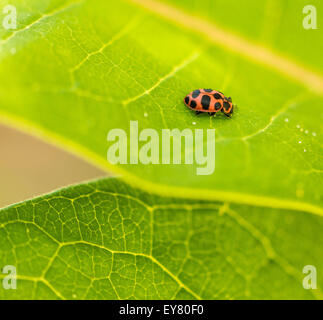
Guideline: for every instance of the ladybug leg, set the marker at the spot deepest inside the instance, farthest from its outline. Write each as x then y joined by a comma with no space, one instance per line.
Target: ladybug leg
211,113
228,115
198,112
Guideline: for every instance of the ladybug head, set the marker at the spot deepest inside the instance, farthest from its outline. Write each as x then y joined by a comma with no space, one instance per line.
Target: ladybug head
187,100
227,106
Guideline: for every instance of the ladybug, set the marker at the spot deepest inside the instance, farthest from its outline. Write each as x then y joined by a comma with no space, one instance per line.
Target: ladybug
208,100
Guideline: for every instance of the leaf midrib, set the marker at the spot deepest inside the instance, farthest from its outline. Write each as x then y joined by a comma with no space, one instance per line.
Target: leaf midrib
164,190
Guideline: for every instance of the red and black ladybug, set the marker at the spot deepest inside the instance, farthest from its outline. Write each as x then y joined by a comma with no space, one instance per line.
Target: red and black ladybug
208,100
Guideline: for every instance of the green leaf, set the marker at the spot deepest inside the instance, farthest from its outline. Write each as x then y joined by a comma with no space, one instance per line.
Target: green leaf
73,70
106,240
274,24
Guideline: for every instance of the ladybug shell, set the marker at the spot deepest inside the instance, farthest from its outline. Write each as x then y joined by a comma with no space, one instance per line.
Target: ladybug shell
206,100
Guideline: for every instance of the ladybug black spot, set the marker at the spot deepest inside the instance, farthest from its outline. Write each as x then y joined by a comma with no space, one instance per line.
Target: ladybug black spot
206,102
187,99
217,96
196,93
208,90
193,104
217,106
